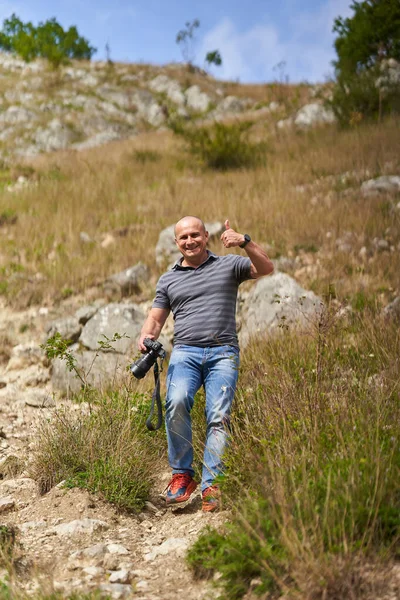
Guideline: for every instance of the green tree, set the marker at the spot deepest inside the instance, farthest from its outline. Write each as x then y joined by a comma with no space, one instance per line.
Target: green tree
214,58
365,42
48,40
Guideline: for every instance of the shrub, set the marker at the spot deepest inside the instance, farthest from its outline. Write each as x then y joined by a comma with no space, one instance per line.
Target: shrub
222,147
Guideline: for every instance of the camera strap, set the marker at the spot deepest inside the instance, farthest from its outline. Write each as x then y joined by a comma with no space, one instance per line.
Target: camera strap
156,398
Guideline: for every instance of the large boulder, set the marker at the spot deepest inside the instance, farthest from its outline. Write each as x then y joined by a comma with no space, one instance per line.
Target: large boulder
274,303
124,319
97,369
166,249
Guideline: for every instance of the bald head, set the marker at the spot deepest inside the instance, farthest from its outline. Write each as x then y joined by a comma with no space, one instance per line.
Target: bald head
189,221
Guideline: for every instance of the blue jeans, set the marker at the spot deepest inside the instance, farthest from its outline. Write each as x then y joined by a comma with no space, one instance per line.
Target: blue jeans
190,367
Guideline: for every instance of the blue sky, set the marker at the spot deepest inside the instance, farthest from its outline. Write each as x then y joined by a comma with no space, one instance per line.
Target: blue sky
253,36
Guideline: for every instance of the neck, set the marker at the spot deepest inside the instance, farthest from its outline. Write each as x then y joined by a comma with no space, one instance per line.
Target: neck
199,260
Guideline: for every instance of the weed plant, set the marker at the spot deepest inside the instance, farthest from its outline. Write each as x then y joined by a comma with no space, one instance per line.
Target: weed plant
106,449
314,464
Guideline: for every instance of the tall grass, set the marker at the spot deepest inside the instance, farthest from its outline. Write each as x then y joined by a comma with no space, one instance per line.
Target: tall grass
314,465
106,449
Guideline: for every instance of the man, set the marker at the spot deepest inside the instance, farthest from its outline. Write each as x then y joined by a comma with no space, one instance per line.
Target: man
201,290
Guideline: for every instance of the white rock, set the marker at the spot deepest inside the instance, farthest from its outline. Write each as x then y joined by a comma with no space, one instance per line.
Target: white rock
274,302
93,571
231,104
80,526
121,576
33,525
117,549
170,87
386,184
196,99
313,114
17,114
175,545
95,551
6,504
117,590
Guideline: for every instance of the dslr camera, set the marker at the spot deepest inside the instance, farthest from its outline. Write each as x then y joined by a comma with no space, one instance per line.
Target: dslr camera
141,366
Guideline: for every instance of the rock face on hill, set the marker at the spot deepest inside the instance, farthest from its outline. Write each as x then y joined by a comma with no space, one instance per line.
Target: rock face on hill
86,104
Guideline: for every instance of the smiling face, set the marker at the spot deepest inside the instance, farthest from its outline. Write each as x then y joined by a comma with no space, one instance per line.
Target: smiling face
191,239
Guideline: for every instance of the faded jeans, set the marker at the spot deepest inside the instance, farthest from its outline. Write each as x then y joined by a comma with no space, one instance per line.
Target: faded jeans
190,367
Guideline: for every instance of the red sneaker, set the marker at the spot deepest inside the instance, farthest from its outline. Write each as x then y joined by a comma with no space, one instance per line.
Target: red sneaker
211,498
179,489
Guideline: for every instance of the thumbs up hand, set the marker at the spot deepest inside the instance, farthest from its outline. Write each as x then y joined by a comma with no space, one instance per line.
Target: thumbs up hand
231,238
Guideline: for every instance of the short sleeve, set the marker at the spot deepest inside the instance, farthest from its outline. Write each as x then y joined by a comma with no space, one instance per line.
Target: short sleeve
161,299
242,268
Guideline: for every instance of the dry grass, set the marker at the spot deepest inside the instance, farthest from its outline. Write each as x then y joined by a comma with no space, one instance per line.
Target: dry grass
107,190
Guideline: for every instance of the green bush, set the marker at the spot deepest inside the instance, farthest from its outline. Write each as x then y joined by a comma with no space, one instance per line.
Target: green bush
222,147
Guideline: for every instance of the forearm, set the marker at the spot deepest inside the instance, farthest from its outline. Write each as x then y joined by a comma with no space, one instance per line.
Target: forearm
153,325
259,259
151,328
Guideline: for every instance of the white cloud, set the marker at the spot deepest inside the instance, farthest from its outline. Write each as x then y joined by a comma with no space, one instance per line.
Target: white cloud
306,46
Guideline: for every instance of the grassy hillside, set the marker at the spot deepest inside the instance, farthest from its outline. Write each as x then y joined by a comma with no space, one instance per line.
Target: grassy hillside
298,205
314,464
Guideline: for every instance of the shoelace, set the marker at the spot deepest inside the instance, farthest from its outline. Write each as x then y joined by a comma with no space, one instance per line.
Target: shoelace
178,481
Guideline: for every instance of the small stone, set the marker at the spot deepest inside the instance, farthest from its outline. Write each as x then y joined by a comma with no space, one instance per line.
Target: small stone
111,562
117,549
80,526
150,507
95,551
39,399
121,576
117,590
6,504
93,571
176,545
109,240
85,237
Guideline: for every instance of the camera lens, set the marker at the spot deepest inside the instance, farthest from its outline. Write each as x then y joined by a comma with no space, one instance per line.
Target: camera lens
140,367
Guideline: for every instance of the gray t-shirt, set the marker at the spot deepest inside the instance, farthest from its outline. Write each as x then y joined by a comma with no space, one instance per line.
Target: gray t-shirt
203,300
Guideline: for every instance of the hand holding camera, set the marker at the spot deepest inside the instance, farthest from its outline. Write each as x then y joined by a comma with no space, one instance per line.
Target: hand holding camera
141,366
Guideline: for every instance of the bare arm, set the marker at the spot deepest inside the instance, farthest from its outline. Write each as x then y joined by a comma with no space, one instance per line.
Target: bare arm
261,264
152,326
